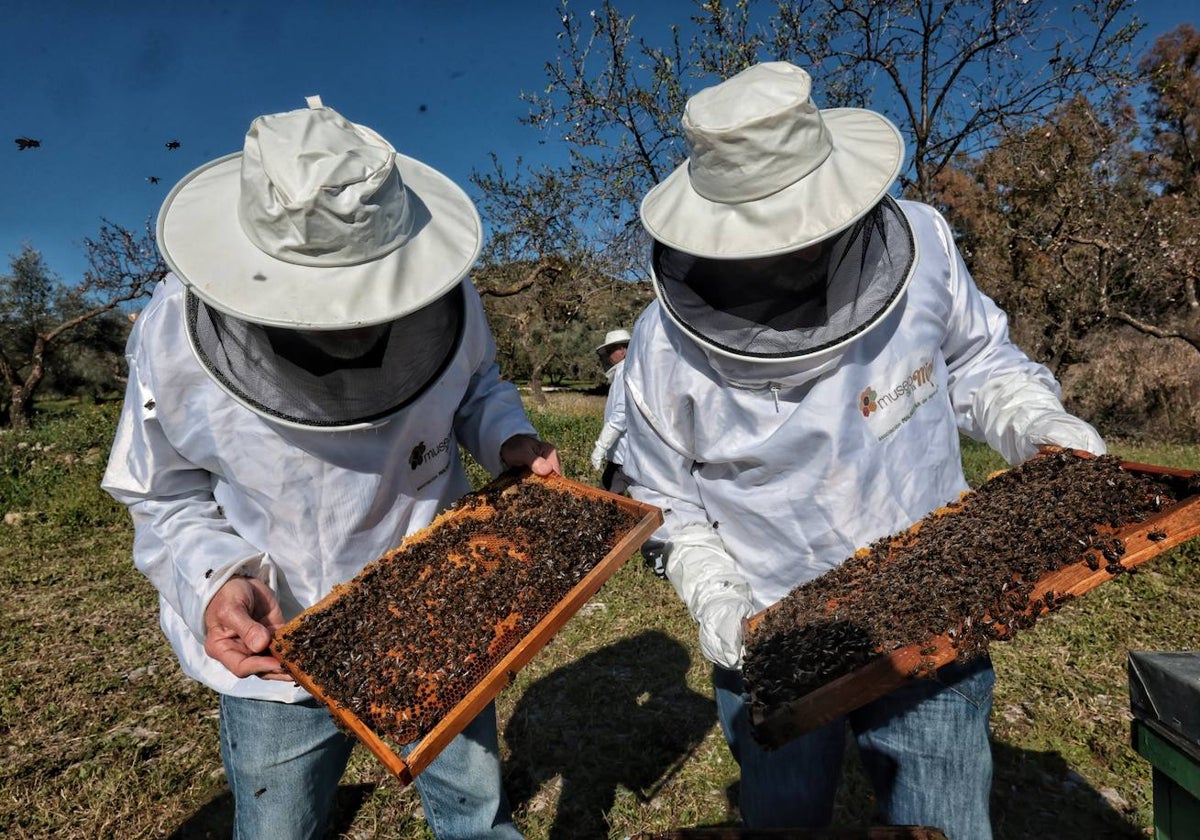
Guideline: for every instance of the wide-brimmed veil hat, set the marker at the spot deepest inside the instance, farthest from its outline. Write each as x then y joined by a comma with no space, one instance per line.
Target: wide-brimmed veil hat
324,271
769,176
767,171
318,223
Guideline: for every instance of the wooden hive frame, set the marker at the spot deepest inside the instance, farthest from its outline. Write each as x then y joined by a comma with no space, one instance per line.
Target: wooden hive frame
407,767
784,722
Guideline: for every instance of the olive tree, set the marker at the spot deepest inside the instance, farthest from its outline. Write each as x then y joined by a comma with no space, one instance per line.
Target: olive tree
40,312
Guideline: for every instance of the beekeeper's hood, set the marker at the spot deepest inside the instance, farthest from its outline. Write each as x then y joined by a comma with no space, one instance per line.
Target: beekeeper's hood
323,269
775,242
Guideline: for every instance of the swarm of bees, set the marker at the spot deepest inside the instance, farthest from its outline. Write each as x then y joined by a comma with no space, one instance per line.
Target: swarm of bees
969,571
409,637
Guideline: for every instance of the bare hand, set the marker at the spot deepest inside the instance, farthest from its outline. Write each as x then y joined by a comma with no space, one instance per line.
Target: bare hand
240,621
528,451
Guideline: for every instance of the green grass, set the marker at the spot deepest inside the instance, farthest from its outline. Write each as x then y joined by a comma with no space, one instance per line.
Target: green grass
609,731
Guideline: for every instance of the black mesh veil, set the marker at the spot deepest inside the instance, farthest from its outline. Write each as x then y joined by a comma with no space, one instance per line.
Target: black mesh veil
276,373
795,304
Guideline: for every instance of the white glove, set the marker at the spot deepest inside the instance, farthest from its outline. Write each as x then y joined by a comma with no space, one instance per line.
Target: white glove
720,621
1018,413
1067,431
598,456
716,594
608,436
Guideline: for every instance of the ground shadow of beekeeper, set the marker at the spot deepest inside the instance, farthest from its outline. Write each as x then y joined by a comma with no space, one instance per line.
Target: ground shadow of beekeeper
622,716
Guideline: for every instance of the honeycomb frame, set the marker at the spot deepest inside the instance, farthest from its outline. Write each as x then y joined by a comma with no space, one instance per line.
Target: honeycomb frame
511,647
776,724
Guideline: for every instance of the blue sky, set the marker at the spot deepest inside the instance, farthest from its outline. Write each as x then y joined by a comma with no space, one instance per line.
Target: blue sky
106,85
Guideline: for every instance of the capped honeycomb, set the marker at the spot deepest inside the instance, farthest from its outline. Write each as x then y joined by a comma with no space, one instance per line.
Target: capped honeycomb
970,573
399,646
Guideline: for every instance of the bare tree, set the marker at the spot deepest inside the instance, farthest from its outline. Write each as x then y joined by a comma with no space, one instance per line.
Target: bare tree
956,74
39,311
952,74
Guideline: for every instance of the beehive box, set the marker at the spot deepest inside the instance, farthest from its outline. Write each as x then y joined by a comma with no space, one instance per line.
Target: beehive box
972,573
413,648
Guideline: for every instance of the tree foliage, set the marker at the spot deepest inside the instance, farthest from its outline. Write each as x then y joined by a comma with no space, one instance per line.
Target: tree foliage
1049,221
1089,217
546,282
1172,272
40,314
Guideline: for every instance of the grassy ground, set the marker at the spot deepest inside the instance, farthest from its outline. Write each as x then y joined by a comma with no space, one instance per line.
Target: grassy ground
608,732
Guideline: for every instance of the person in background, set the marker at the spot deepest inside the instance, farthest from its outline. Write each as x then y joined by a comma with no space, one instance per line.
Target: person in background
610,445
795,392
299,387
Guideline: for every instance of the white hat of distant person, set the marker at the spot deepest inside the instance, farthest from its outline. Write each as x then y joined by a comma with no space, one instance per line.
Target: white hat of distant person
612,339
767,171
318,223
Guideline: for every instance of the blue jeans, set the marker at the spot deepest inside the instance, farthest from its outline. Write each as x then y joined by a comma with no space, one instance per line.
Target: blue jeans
284,760
924,747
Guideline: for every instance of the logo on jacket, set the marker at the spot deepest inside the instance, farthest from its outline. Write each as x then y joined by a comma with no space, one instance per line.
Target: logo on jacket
888,410
417,456
867,401
422,454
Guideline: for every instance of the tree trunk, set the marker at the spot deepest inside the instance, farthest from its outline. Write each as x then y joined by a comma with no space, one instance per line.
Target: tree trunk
535,387
20,409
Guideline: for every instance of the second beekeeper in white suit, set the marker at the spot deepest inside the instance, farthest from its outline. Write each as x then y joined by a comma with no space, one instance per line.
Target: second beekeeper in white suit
797,391
608,453
299,388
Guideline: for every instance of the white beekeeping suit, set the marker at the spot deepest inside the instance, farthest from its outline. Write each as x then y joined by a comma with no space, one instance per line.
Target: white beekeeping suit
771,472
796,391
610,444
299,388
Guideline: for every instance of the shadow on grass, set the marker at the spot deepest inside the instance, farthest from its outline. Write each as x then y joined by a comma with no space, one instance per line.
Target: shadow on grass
622,716
1037,794
214,819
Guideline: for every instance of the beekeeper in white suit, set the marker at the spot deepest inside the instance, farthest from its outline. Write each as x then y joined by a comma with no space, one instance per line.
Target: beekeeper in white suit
609,450
299,386
795,392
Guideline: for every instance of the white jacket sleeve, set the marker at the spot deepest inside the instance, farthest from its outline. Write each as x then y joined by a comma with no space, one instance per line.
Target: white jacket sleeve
698,565
182,542
491,411
718,598
1000,396
602,451
613,428
1017,414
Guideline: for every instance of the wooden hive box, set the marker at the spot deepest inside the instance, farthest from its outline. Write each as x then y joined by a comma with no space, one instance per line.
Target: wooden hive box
882,662
413,648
